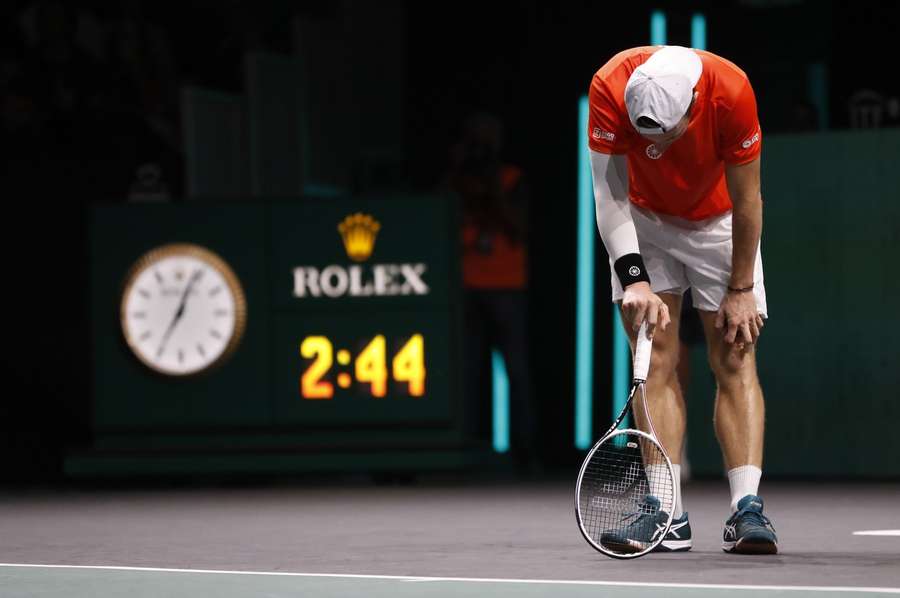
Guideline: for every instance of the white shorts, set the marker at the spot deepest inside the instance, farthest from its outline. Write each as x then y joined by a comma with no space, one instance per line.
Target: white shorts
683,254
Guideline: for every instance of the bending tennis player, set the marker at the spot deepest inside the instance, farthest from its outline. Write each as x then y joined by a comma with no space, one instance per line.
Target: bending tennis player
675,144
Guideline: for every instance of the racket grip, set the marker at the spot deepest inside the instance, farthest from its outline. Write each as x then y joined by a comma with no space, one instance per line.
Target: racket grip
642,354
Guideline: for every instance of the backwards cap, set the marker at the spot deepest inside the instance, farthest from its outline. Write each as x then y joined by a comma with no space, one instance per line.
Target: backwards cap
662,88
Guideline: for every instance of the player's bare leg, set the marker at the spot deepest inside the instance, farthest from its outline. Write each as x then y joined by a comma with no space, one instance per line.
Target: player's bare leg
665,401
740,410
740,423
667,410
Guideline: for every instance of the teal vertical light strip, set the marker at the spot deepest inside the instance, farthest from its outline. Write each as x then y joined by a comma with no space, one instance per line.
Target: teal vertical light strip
817,90
584,308
500,400
657,28
698,31
621,353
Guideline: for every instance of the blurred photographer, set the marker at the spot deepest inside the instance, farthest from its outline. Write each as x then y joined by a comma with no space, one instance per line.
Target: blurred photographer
495,277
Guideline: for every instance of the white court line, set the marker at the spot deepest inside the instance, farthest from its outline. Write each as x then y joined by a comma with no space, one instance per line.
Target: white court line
878,532
709,586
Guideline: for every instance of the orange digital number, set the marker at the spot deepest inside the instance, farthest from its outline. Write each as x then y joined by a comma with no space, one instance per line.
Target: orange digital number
371,366
311,384
409,365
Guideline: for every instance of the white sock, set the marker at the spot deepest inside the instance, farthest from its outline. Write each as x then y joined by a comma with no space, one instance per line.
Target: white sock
679,510
657,472
743,480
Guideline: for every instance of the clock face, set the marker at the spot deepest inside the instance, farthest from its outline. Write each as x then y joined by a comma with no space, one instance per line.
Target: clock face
183,309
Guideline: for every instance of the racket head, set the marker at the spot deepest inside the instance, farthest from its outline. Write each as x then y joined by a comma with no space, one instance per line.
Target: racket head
611,505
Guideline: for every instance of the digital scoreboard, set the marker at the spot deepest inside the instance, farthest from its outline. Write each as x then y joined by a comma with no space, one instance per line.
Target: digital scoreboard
365,314
349,329
369,367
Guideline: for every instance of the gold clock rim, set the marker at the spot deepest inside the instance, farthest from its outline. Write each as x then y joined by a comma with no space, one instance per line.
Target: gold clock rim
231,280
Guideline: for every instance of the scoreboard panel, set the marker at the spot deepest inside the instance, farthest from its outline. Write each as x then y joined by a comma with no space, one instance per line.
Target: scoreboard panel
352,325
363,312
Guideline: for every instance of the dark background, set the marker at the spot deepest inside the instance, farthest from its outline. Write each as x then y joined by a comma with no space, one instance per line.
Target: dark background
90,93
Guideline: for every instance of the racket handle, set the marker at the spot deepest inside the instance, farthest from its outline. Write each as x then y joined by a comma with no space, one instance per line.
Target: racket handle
642,354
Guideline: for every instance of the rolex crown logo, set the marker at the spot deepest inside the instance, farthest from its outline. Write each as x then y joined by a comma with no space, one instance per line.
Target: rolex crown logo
358,232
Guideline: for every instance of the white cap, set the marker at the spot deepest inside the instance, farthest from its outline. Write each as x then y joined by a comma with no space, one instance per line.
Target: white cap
662,88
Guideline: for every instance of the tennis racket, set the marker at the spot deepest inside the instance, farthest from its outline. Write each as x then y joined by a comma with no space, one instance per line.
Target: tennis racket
625,493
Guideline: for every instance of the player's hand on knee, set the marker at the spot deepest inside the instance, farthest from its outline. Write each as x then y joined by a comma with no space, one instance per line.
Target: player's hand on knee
739,319
639,303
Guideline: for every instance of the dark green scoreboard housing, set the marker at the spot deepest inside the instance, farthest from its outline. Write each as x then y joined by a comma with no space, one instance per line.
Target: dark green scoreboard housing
349,355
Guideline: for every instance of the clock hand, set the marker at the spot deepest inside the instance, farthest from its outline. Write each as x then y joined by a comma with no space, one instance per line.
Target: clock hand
179,312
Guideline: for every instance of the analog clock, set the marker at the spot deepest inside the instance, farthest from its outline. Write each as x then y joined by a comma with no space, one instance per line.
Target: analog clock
183,310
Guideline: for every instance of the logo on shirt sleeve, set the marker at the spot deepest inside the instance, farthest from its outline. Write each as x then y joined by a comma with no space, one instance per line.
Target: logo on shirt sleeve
748,142
599,133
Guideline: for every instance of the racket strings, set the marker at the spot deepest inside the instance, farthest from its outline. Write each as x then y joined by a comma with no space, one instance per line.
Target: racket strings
627,493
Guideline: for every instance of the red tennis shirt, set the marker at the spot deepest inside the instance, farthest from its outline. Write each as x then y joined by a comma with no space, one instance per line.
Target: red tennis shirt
688,179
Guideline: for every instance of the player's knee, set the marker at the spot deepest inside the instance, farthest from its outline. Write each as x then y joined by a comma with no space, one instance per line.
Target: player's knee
663,362
731,364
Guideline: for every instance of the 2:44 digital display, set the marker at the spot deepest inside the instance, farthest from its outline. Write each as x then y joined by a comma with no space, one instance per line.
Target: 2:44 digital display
371,369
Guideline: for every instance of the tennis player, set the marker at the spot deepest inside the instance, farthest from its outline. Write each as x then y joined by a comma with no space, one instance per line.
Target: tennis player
675,148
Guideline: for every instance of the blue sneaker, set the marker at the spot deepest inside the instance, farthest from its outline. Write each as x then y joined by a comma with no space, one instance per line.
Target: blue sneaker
647,523
679,537
748,531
